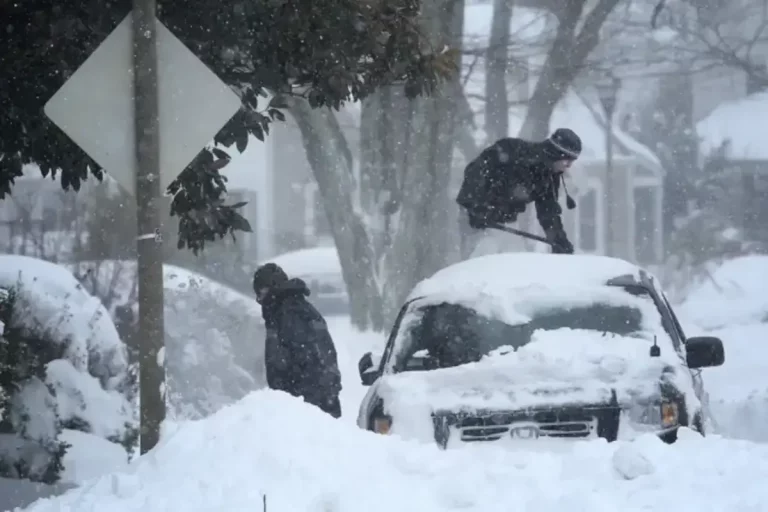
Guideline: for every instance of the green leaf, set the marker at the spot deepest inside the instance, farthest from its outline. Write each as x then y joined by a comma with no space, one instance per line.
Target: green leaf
258,132
278,102
242,141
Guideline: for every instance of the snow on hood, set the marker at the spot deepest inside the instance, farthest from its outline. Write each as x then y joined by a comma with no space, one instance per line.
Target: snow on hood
559,367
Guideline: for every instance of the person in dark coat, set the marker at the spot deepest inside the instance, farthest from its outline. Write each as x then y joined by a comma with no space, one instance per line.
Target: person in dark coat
512,173
300,356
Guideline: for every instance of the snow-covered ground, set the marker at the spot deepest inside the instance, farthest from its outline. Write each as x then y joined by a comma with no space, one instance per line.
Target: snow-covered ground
244,454
338,467
351,344
732,304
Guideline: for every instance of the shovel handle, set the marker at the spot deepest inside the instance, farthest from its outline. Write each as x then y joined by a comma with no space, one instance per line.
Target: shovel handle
521,233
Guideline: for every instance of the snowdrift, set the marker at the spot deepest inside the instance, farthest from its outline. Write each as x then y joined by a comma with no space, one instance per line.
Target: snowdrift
214,334
272,445
83,387
734,294
732,304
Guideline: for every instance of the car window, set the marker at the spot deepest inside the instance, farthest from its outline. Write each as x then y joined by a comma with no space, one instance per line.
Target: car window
445,335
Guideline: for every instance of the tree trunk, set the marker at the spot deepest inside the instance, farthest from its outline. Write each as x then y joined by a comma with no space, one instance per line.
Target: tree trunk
393,223
565,60
421,236
331,161
496,63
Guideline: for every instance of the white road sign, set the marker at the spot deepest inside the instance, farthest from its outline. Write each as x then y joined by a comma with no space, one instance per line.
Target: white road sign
95,106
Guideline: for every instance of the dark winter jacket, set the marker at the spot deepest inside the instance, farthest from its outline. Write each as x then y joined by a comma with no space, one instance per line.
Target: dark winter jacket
507,176
300,357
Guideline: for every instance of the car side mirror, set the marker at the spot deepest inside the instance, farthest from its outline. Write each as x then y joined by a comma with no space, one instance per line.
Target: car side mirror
368,374
704,352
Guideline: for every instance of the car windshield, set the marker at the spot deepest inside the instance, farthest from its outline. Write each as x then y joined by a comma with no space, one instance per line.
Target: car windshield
446,335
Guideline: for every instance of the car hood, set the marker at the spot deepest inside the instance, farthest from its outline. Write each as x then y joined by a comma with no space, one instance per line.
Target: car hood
557,368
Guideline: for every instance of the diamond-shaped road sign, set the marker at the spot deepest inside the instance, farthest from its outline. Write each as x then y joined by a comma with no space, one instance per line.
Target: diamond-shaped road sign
95,106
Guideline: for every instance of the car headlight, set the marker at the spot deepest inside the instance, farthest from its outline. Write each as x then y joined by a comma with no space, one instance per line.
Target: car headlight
382,424
669,414
659,414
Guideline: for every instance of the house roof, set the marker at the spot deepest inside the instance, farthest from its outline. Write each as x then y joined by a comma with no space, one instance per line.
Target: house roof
739,123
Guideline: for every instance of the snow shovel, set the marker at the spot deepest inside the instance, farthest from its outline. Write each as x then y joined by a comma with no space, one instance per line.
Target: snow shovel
521,233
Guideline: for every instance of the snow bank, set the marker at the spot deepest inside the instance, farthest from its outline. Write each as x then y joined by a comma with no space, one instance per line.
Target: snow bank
90,456
350,345
50,300
738,390
732,304
734,294
214,334
235,458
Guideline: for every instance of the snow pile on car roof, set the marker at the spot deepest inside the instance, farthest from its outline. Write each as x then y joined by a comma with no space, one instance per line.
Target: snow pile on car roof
504,286
274,446
498,272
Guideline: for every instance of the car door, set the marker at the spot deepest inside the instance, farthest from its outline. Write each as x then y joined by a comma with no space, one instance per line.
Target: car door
698,381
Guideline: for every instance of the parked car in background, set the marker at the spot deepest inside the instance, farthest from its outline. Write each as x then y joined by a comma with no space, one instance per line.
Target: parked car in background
522,346
320,268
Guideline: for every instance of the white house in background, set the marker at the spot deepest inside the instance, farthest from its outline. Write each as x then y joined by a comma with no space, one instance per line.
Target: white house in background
738,129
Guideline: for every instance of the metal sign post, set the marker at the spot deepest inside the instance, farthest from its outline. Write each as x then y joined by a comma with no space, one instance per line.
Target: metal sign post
143,106
149,251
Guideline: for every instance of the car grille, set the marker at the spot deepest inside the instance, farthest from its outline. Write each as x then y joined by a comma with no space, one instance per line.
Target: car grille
561,422
493,427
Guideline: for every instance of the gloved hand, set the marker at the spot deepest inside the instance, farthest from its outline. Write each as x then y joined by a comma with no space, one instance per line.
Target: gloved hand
560,243
563,247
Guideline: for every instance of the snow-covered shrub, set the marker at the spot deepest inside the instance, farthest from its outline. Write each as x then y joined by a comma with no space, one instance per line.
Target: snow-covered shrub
62,365
29,422
214,335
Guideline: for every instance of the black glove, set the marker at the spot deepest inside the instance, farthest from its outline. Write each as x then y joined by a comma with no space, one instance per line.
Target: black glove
560,243
478,221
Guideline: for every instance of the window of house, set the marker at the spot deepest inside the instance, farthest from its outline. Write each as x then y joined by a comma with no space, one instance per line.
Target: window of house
646,224
588,221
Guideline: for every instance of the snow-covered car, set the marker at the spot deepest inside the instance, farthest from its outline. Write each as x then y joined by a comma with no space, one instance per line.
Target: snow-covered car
531,346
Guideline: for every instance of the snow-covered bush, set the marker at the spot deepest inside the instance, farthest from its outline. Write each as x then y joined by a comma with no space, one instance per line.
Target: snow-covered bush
61,366
214,335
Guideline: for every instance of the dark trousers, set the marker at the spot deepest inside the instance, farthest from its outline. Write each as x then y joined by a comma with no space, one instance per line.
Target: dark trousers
330,406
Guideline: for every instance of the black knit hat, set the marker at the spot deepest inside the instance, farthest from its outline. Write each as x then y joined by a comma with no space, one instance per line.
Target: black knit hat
269,275
563,144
